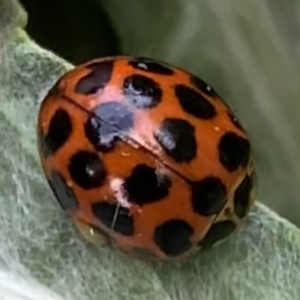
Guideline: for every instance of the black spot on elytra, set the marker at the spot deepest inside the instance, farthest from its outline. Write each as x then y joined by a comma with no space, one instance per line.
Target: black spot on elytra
242,197
173,237
62,192
141,91
208,196
194,103
177,138
59,131
151,66
98,77
114,217
87,170
217,232
234,151
109,122
146,185
203,86
235,121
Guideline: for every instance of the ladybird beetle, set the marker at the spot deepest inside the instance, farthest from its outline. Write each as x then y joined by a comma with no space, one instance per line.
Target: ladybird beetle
146,155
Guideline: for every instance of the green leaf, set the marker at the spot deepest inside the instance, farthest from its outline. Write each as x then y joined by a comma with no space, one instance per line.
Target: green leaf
260,261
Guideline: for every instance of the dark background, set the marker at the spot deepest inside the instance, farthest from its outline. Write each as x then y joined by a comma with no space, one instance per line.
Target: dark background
70,28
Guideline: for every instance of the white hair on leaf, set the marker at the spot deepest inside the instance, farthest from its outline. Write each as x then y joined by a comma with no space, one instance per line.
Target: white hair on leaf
13,287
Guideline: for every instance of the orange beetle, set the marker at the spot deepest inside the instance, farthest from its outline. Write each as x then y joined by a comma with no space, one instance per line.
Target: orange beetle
147,155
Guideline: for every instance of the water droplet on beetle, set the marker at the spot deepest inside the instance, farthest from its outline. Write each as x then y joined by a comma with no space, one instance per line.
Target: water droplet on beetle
90,171
125,154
